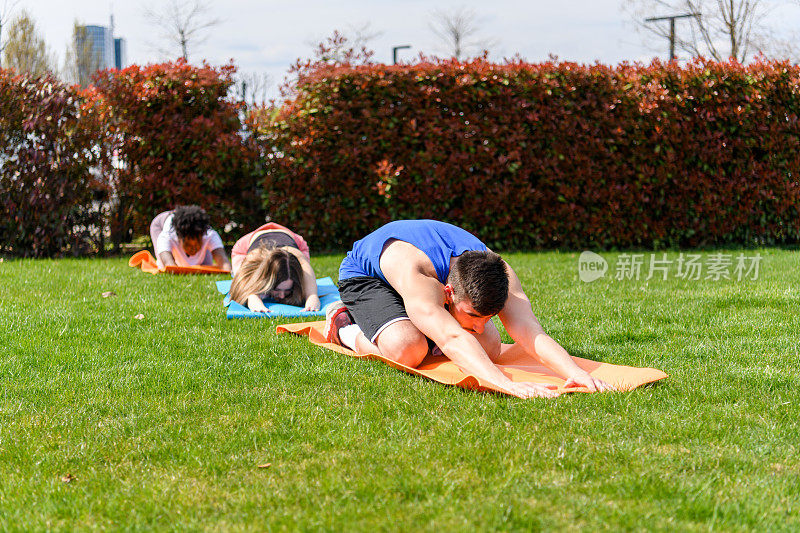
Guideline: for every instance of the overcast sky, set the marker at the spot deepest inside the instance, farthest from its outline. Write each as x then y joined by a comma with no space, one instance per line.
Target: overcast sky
268,35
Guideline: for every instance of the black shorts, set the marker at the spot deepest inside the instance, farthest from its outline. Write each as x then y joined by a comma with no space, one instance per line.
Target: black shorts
373,303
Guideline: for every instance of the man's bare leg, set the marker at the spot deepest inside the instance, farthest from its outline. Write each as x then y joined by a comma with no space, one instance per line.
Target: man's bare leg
400,342
403,343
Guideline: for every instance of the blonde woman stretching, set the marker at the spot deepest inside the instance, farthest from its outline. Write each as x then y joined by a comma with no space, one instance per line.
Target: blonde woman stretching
273,262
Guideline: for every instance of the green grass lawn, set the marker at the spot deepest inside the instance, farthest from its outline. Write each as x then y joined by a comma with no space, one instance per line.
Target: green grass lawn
162,422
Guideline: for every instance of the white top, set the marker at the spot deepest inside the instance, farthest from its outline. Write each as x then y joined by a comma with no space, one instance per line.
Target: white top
168,242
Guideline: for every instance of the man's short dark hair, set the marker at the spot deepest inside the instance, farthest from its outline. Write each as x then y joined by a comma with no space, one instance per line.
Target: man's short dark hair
190,221
481,278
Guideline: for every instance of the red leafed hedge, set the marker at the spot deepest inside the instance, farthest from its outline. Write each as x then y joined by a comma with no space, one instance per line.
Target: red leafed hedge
542,155
48,193
173,137
524,155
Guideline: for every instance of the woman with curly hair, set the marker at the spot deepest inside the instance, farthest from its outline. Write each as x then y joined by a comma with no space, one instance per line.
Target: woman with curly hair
184,237
273,263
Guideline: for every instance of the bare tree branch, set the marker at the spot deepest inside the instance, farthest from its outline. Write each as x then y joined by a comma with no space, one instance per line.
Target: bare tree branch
26,50
457,31
360,35
724,29
779,46
5,14
343,42
253,88
182,24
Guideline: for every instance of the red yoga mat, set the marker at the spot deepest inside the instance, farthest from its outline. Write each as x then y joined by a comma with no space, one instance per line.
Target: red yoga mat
513,361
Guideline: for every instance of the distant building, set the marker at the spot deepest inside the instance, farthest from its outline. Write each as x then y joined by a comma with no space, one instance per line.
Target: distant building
120,53
107,51
102,45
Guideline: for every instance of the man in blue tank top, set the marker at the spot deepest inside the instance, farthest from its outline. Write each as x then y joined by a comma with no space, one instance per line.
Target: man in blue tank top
414,280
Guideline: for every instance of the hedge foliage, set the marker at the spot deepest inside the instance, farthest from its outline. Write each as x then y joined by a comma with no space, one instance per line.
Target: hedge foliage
78,166
524,155
543,155
48,192
171,136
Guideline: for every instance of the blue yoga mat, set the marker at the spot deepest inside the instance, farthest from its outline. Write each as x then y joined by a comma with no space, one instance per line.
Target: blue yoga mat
328,294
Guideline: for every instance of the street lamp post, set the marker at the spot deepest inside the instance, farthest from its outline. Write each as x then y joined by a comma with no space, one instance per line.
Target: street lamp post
394,52
671,19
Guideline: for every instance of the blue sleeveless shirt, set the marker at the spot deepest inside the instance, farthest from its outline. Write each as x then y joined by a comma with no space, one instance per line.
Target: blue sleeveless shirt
438,240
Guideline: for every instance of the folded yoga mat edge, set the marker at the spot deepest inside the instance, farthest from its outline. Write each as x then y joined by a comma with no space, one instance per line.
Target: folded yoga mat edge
144,260
313,331
453,376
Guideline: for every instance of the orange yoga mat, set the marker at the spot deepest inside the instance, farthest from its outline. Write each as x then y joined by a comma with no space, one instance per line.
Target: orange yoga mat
515,363
147,263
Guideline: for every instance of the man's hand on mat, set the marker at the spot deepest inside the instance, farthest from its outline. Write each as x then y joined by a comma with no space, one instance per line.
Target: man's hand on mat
585,380
530,390
312,303
256,304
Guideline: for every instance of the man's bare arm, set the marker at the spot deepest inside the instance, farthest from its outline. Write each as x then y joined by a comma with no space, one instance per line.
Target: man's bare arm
423,297
521,324
425,307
